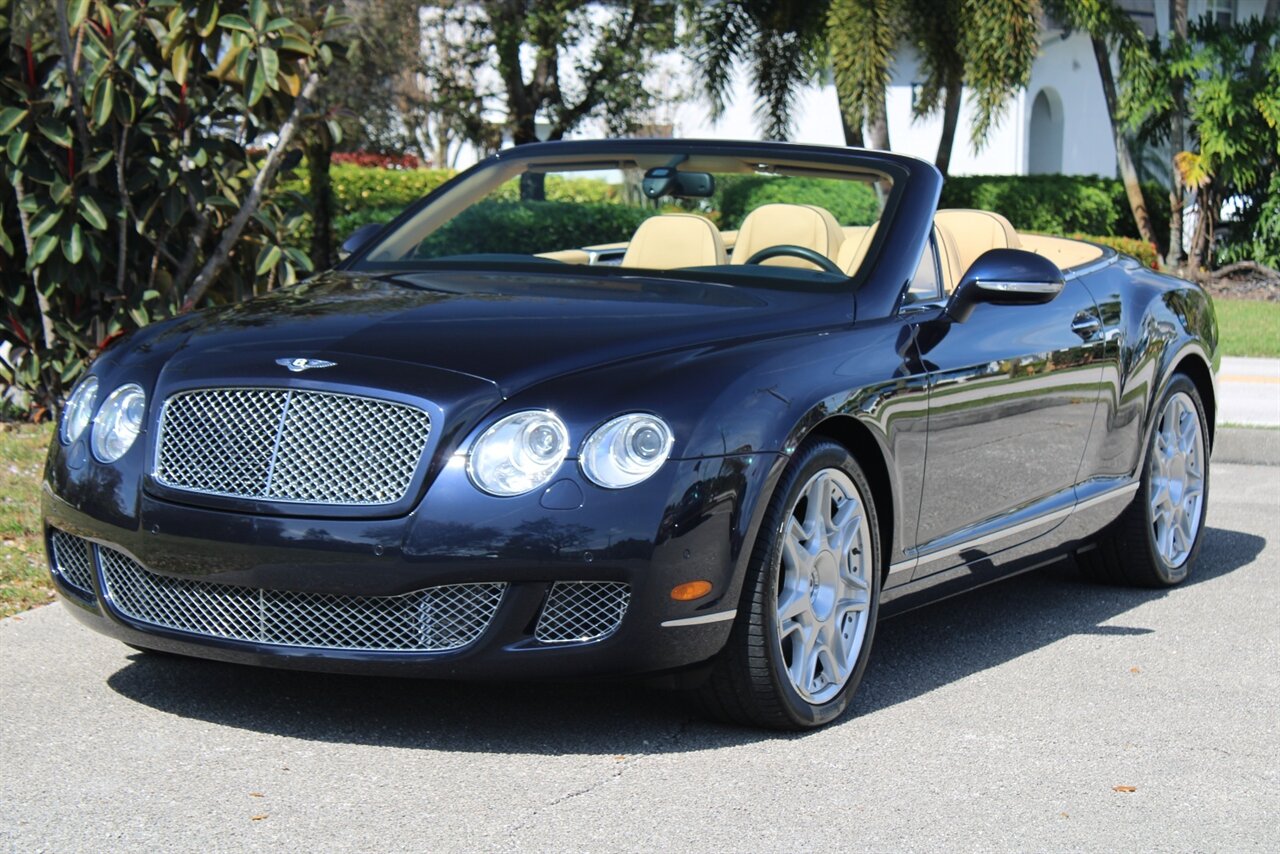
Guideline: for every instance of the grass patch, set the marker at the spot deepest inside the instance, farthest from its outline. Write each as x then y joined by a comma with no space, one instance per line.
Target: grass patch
1248,327
24,580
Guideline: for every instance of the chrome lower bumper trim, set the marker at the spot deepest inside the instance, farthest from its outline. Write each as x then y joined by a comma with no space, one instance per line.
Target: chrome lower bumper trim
701,619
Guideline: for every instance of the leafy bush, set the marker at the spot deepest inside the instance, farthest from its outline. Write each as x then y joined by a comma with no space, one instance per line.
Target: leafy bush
1140,249
128,189
1257,237
1057,204
529,227
365,194
377,159
850,202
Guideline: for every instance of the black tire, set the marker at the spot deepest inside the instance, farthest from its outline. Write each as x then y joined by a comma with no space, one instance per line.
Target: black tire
1126,553
748,683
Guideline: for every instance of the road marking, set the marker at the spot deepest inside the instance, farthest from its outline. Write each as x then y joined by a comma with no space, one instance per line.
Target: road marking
1244,378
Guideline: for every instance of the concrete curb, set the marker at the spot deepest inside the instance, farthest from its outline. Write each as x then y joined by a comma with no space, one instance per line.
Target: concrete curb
1257,447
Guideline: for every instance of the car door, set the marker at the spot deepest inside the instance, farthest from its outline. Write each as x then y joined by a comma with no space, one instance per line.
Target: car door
1012,395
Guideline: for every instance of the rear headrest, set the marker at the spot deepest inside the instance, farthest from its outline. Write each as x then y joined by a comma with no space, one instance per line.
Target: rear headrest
668,241
974,232
799,225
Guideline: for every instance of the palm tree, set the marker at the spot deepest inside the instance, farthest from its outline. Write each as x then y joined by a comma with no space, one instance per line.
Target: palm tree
782,44
987,47
1110,28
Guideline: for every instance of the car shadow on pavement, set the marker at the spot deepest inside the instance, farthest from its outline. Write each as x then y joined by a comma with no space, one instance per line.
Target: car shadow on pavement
914,654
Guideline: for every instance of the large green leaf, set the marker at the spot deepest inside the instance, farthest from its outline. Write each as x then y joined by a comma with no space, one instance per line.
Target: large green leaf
235,22
267,258
43,221
77,11
180,62
16,145
56,131
10,117
41,251
258,13
91,213
270,65
257,82
102,101
73,246
206,17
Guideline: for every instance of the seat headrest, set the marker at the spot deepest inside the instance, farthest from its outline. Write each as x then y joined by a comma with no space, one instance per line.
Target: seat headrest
974,232
669,241
800,225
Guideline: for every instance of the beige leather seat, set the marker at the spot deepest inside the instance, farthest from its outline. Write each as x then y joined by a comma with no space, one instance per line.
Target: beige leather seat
966,234
857,240
669,241
798,225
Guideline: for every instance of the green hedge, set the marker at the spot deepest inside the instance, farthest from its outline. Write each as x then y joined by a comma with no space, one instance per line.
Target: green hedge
850,202
1058,204
529,227
1140,249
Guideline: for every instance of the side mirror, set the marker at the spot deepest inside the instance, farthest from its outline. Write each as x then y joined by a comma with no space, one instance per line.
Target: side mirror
1005,277
358,239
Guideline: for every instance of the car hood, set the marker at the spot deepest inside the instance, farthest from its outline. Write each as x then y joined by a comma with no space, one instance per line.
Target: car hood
511,330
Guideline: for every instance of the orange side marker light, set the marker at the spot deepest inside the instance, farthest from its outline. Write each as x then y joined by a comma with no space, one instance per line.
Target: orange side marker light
690,590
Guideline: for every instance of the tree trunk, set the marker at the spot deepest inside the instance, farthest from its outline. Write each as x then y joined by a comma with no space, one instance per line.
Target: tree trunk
852,135
216,261
319,150
49,336
950,119
533,185
1178,144
1128,172
878,124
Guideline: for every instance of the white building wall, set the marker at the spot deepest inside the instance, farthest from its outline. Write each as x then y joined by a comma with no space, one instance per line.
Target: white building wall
1065,66
1068,70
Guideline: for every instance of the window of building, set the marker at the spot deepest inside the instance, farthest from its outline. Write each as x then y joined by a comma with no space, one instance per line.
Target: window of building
1223,12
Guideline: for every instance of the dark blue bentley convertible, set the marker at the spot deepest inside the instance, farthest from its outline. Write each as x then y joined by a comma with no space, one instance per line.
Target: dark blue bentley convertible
699,409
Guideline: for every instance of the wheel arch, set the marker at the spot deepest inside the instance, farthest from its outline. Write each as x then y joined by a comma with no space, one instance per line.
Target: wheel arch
860,441
1195,368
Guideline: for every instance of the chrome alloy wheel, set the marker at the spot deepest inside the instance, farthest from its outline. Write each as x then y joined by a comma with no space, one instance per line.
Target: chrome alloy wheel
824,586
1177,470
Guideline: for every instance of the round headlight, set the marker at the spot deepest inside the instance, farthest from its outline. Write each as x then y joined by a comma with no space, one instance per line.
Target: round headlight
519,453
626,450
79,410
119,422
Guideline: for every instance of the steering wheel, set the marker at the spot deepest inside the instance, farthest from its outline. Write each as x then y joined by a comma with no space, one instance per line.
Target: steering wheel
802,252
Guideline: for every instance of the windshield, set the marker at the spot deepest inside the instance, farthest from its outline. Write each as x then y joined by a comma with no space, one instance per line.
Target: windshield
687,215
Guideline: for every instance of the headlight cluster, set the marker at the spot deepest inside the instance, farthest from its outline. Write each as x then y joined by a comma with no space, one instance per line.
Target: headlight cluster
523,451
117,424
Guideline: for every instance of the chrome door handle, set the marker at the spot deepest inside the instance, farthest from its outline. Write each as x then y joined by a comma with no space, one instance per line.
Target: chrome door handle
1086,325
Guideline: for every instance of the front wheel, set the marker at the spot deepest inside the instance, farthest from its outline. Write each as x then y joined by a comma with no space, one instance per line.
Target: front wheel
810,599
1155,541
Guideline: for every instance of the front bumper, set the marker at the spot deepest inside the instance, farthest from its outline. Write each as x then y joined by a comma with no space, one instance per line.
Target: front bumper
689,524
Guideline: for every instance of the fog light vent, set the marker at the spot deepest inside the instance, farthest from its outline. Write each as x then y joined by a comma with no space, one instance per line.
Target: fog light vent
582,611
72,562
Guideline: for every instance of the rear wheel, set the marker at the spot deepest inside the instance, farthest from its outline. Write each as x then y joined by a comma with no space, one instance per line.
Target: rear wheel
1156,540
803,633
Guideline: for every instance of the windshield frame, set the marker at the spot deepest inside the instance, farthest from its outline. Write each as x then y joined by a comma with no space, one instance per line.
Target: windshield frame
915,186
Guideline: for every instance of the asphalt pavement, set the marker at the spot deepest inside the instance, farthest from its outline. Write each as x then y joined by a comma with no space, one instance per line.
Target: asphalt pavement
1041,713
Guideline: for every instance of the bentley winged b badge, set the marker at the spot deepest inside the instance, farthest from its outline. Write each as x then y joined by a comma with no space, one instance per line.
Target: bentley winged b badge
300,365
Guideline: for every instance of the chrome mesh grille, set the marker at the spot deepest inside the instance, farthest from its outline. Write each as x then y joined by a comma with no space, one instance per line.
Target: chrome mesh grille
430,620
73,561
578,611
289,445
